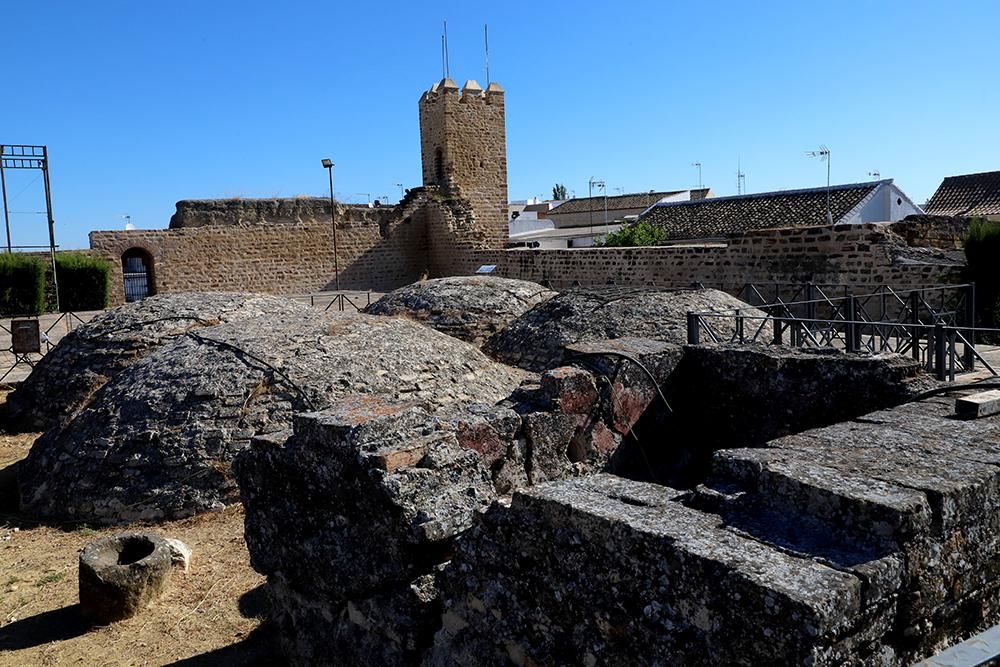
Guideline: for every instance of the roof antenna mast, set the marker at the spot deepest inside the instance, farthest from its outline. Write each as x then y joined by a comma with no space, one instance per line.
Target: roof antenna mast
486,37
824,155
447,65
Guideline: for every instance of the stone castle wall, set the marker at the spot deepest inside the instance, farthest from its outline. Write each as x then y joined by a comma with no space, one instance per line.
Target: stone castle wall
378,249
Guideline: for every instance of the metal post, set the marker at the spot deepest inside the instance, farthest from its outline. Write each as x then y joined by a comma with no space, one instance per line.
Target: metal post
970,323
951,354
693,328
333,219
915,328
810,302
52,231
940,345
777,330
3,186
739,327
853,344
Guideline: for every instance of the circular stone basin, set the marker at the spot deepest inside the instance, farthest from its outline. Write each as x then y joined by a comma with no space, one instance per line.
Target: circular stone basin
121,575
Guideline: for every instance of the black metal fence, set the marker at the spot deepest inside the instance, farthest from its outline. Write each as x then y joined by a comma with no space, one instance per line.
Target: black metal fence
29,342
935,326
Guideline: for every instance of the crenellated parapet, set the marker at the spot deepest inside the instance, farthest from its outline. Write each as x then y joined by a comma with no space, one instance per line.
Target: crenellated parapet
464,154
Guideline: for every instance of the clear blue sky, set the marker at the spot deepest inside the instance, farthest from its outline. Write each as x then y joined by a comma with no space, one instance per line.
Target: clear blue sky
145,103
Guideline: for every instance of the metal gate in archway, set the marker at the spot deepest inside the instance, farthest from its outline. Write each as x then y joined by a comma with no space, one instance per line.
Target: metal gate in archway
137,273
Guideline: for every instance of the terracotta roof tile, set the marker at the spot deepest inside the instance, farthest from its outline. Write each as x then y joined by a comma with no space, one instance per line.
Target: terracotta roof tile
728,216
635,200
967,195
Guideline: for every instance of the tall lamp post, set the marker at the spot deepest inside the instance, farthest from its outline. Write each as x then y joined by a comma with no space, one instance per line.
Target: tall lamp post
333,219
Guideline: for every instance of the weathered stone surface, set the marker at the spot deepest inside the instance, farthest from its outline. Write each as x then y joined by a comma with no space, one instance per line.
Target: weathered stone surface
869,542
602,570
374,495
353,515
471,308
536,339
913,479
122,574
157,440
350,545
66,379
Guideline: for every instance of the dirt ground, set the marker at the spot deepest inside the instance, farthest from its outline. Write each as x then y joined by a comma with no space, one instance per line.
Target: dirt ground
212,615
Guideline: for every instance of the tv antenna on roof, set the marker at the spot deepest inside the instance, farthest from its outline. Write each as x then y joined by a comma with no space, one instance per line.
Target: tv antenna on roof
698,165
741,179
877,175
824,155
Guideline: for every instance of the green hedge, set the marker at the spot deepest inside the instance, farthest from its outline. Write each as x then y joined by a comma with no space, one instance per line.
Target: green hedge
83,281
22,285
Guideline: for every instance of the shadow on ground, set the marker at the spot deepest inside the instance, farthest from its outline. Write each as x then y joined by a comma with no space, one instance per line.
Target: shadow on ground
260,647
49,626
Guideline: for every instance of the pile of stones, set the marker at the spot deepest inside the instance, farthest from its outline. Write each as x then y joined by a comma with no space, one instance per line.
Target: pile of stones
157,439
537,339
66,378
471,308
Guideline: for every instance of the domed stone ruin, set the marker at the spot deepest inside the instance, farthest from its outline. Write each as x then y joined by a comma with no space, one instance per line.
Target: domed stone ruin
536,340
66,378
471,308
156,440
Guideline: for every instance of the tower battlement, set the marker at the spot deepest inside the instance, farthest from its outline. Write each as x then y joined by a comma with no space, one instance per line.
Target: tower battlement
463,146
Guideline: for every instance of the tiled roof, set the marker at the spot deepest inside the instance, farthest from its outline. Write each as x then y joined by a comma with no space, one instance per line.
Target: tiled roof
967,195
728,216
636,200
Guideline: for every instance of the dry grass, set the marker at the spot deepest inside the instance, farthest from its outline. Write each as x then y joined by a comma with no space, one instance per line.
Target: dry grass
210,616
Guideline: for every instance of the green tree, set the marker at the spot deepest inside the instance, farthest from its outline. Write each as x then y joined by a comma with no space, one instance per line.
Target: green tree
639,233
559,191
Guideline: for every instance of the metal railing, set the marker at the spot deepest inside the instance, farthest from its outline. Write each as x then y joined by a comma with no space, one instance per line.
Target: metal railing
336,301
16,355
941,348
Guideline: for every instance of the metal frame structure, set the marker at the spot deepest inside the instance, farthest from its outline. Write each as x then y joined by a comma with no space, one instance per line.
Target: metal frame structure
24,156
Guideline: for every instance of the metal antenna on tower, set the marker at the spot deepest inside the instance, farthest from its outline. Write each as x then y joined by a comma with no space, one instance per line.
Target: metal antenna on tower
444,72
486,37
447,65
741,178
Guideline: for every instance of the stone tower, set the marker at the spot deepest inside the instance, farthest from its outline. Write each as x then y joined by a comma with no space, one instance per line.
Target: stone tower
463,145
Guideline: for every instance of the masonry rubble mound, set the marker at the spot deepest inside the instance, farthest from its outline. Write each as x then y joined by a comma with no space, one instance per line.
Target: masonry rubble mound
536,340
471,308
869,542
157,440
355,513
66,379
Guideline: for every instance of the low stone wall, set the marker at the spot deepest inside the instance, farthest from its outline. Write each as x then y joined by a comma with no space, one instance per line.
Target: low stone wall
933,231
866,256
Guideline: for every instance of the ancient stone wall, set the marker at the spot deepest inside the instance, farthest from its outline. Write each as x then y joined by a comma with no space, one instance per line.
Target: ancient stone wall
378,249
464,153
241,212
865,256
933,231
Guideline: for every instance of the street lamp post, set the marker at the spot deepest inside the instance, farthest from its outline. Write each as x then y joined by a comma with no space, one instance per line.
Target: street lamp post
333,219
